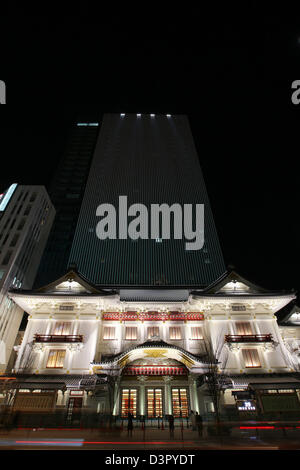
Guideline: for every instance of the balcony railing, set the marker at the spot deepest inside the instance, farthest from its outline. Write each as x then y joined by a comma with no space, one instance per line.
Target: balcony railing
58,338
249,338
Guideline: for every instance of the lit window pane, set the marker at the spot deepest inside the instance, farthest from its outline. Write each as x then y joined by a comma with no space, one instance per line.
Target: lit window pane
243,328
131,332
56,358
62,328
175,332
109,332
251,358
152,331
196,332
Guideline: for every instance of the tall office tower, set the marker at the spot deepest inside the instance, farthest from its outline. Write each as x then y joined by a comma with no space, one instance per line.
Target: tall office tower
66,193
151,159
26,216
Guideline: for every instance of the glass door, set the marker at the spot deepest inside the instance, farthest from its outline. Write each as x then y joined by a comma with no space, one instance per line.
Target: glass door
129,396
180,402
154,403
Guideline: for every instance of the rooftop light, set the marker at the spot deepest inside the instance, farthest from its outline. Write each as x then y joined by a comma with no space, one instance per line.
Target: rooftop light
87,124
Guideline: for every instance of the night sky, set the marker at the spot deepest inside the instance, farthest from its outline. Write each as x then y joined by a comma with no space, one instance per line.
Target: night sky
230,70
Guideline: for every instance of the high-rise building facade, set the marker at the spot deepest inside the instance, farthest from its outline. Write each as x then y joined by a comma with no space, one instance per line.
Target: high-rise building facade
26,216
150,159
66,192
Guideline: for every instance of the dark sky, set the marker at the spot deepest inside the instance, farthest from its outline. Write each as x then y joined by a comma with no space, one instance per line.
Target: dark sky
230,69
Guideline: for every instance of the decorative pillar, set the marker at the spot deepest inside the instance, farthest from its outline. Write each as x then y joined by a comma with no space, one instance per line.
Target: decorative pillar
116,403
48,328
168,396
142,398
193,393
165,331
75,327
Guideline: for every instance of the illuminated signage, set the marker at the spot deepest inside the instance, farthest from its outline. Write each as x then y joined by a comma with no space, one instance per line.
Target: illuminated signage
246,406
5,197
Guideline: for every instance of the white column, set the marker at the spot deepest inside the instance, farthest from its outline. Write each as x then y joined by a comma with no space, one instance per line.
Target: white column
75,327
69,351
48,327
24,343
193,393
116,406
143,330
168,396
142,397
165,325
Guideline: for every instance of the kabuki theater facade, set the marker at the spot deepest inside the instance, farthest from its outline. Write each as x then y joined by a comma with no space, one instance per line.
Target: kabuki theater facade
145,325
111,351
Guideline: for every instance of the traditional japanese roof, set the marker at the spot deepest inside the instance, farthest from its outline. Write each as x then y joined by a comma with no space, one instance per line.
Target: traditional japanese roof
286,316
155,345
232,284
71,283
150,295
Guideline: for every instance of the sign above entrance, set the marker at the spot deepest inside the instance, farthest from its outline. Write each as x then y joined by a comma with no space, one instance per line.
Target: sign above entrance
152,316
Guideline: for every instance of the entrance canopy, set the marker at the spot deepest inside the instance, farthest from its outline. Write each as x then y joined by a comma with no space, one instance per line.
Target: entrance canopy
156,353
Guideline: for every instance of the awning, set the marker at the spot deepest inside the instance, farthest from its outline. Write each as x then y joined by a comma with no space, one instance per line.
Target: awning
242,395
244,382
275,386
38,386
63,382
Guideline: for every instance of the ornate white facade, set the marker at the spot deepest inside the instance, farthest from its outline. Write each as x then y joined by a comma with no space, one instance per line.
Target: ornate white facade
150,357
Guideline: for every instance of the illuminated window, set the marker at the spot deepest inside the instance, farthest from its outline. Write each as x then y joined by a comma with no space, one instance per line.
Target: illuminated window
56,358
128,403
243,328
138,115
154,402
152,331
131,332
180,402
196,332
175,332
62,328
109,332
251,358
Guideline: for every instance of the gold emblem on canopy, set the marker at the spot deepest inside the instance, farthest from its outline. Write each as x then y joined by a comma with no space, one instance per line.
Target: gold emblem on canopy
155,352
